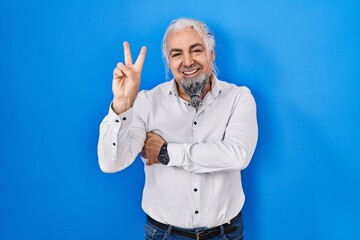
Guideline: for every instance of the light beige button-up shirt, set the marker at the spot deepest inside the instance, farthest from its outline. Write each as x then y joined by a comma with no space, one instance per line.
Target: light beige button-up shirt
208,147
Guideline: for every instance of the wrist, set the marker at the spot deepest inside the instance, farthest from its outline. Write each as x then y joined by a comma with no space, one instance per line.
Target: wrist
163,156
120,105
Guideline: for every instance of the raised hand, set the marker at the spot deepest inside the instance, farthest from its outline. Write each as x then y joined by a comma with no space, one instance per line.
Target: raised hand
126,80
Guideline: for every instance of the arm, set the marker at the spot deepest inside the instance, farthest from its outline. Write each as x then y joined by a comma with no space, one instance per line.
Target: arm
233,152
120,137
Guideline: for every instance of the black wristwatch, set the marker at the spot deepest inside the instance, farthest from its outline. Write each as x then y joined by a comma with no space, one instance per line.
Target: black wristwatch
163,156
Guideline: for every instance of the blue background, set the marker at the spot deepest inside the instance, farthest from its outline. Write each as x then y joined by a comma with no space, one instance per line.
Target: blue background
299,58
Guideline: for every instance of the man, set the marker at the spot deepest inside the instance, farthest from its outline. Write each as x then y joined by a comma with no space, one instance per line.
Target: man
195,134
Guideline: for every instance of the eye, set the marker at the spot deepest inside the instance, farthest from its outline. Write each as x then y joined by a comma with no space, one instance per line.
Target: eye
175,55
197,50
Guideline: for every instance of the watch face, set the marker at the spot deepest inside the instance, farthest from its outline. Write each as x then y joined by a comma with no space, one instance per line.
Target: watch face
163,156
164,159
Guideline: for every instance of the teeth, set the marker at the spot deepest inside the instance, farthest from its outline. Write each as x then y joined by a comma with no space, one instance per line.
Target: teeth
191,72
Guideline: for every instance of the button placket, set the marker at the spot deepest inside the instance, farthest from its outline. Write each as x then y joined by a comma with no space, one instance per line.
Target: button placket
196,193
193,129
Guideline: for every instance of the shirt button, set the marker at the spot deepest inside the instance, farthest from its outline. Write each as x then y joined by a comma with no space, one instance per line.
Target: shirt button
116,120
195,123
114,144
124,118
195,189
196,212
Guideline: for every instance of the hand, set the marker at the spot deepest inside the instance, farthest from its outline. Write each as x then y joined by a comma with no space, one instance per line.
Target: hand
126,80
152,146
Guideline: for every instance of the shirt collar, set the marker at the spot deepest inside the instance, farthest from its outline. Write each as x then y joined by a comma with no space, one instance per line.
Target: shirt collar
215,86
173,88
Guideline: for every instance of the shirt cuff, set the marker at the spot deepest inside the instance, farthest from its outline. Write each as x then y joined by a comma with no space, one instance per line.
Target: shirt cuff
176,154
121,120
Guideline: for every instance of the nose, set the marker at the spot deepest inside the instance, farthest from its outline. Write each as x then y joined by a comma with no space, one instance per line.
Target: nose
188,60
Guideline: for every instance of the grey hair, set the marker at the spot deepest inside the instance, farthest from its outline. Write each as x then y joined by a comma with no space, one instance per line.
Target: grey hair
200,27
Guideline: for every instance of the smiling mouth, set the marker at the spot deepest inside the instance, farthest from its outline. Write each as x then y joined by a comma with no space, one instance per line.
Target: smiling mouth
189,73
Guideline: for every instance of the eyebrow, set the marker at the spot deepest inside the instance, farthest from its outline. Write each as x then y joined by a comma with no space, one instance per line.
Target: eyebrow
196,45
191,47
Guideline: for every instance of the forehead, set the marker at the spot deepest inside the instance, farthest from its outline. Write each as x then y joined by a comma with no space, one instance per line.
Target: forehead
183,39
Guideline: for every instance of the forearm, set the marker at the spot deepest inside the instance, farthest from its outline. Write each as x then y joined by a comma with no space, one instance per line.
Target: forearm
121,105
118,145
219,156
232,151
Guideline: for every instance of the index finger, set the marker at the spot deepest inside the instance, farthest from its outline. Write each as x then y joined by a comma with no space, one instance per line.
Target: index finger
127,54
141,58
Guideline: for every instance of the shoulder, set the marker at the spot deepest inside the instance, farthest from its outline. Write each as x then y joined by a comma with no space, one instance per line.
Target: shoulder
147,98
228,88
240,96
159,90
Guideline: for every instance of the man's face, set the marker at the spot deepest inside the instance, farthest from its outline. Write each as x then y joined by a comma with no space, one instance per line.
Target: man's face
187,55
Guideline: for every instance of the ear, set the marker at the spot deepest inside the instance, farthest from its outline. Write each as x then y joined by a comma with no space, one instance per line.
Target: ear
212,55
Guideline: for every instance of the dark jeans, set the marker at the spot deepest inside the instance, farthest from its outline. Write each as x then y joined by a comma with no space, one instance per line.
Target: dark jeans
152,232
